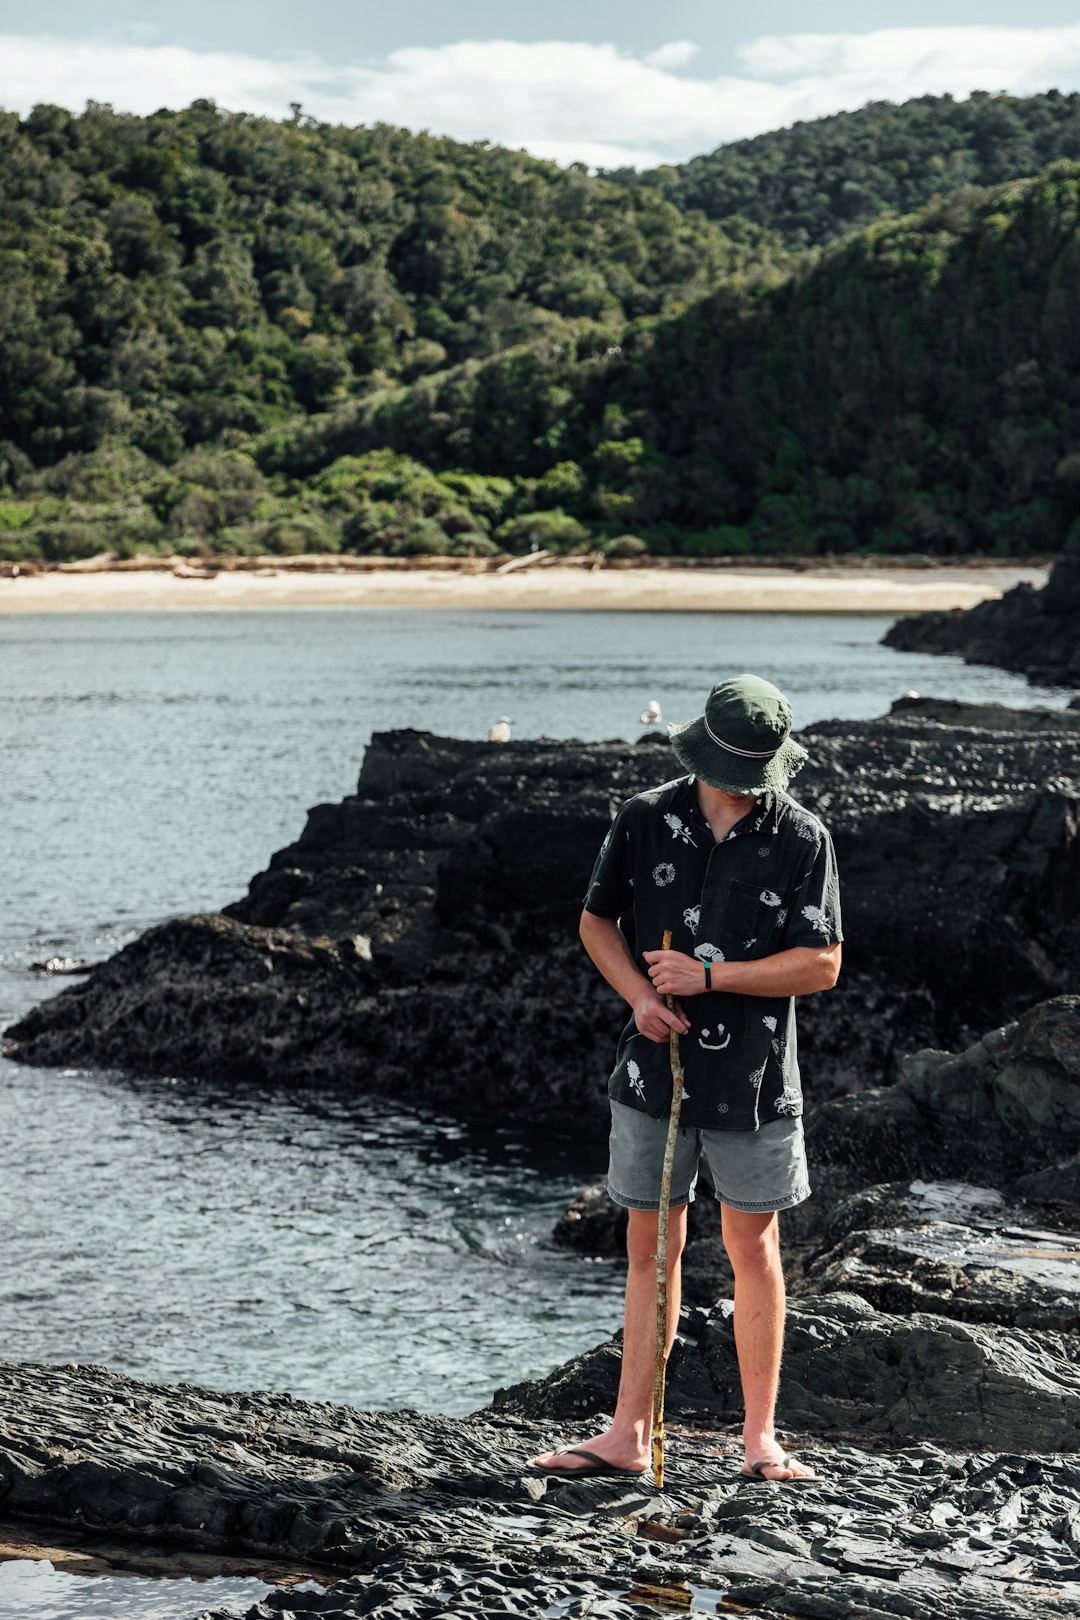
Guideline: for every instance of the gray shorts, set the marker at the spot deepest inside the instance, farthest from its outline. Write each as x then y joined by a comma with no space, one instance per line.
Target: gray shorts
758,1170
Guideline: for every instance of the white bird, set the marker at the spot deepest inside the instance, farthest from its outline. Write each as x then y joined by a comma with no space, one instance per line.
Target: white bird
651,714
500,731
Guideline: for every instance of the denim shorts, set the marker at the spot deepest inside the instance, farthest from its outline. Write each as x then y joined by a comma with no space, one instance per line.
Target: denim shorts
758,1170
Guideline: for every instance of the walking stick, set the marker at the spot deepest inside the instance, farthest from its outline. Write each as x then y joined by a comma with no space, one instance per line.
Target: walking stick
661,1247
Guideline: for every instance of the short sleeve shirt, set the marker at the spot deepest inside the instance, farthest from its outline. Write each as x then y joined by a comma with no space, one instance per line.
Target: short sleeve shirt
771,883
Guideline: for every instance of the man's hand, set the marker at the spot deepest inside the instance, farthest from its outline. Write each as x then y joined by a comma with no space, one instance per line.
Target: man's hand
674,974
655,1019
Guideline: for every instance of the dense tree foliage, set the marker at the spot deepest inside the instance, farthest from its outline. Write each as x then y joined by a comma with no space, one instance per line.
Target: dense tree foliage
220,333
826,177
915,388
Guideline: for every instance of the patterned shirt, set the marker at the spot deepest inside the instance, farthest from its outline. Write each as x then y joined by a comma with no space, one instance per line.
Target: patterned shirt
767,885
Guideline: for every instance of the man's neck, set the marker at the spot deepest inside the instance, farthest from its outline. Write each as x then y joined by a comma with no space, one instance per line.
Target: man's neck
722,810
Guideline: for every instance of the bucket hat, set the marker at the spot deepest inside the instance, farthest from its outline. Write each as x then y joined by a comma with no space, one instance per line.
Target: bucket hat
741,744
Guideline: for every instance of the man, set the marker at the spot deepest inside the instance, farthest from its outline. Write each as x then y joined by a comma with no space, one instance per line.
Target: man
746,880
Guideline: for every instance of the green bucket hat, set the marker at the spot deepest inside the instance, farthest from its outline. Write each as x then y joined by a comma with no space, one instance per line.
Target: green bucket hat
741,744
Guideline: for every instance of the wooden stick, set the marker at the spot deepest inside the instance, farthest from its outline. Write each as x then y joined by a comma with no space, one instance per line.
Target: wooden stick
660,1378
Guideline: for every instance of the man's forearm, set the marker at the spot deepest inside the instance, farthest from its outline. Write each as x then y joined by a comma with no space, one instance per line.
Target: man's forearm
796,972
606,944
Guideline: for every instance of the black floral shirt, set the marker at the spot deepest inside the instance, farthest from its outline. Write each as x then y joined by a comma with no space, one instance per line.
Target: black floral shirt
769,884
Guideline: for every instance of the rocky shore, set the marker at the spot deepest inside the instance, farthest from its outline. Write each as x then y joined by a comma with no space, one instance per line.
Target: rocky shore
1033,631
419,938
930,1375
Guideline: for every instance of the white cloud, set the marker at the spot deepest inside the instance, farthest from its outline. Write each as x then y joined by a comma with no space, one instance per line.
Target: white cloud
593,103
675,54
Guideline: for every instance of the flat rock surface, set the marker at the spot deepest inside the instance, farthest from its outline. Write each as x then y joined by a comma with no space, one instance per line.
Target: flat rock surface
434,914
420,1516
960,1251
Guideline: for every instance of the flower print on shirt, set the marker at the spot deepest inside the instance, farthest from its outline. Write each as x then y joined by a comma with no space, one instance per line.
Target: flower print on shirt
692,917
679,829
789,1102
819,919
663,873
706,952
634,1075
769,897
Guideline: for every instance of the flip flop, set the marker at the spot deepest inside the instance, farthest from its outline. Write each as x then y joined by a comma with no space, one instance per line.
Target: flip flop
785,1460
600,1465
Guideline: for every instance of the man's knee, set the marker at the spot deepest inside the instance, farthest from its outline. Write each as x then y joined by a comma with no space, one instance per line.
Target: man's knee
641,1236
752,1241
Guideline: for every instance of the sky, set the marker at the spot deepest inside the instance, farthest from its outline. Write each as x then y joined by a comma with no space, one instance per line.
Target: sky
597,82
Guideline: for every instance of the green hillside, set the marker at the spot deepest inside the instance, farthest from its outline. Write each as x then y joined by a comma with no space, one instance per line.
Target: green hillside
220,333
916,388
823,178
172,285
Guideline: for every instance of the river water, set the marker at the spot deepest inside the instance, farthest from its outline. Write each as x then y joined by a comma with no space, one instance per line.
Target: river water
339,1247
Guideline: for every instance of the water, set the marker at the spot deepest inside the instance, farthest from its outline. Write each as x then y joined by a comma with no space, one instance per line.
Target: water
34,1588
341,1248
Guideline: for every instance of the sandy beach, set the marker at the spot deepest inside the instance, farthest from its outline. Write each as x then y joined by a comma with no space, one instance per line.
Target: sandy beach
833,588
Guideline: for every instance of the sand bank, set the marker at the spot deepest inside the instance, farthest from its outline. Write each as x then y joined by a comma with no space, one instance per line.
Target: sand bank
827,589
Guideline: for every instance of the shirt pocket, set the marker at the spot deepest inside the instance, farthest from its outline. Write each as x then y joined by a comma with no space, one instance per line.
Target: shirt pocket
752,914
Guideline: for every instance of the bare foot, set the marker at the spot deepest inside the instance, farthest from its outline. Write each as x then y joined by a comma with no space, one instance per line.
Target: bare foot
620,1451
783,1467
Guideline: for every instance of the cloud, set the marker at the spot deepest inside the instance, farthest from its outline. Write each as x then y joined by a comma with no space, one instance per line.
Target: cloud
675,54
569,101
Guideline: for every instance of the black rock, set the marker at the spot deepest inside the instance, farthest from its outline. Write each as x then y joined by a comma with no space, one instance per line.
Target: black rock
409,1515
848,1366
1005,1109
1036,632
420,938
959,1251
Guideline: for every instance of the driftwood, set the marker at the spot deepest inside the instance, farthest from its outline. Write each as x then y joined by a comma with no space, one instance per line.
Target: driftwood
660,1378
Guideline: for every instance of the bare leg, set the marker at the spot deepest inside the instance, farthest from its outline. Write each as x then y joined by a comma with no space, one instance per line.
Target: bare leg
753,1246
627,1442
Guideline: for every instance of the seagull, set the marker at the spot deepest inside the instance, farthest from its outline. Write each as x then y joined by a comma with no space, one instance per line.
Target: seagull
500,731
651,713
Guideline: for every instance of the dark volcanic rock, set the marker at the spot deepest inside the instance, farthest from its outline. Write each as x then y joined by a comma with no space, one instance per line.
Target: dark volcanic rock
850,1367
960,1251
1034,631
407,1515
1005,1109
419,939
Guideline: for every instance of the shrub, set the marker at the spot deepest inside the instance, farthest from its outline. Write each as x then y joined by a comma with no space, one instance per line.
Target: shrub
294,536
555,531
15,515
474,545
625,545
726,541
64,541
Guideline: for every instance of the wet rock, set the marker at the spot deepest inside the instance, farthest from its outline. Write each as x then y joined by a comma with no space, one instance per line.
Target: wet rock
64,965
420,1516
1036,632
417,937
1059,1183
850,1367
1007,1107
963,1252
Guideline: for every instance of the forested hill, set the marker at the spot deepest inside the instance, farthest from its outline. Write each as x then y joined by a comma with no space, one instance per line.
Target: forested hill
195,274
221,333
825,177
916,388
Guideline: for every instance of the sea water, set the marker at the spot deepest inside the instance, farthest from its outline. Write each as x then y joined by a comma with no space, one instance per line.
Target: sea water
341,1247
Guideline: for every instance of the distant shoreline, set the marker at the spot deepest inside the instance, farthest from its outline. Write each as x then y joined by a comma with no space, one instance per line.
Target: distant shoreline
797,585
